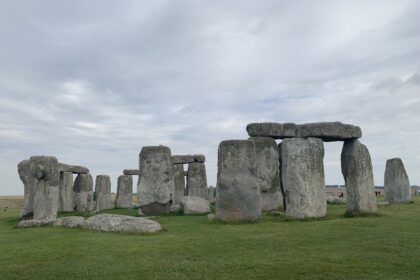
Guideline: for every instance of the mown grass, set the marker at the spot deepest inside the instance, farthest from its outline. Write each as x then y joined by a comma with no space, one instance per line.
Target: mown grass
386,246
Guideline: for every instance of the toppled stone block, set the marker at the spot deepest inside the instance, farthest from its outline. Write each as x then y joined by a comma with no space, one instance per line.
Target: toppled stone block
70,222
120,223
33,223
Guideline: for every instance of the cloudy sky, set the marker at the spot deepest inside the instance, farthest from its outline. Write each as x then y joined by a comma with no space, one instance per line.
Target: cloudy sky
91,82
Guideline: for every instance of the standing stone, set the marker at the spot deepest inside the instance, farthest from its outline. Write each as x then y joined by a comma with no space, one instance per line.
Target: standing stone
29,188
238,197
66,192
103,192
212,194
83,185
397,185
268,173
197,180
303,177
357,170
124,192
156,182
179,183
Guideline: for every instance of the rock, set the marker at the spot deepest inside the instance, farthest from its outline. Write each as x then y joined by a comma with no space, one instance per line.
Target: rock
197,180
91,203
131,172
29,184
176,208
33,223
336,200
397,185
184,159
76,169
103,193
83,186
70,222
303,177
238,197
120,223
268,173
212,194
382,203
195,205
327,131
124,192
357,170
156,180
178,171
66,203
155,208
45,168
211,217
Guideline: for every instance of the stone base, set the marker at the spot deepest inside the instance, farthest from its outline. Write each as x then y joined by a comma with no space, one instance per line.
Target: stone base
156,209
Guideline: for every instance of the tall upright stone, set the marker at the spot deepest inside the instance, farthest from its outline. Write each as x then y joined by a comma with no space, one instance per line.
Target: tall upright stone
212,194
29,188
156,184
103,192
238,197
356,166
197,180
66,203
124,192
268,173
83,190
303,177
179,183
397,185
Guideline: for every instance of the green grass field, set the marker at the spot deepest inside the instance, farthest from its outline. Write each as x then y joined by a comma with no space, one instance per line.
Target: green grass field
386,246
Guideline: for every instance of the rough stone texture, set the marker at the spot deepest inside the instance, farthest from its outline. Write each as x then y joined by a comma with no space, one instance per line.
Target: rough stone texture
268,172
131,172
327,131
33,223
103,193
303,177
83,186
238,197
45,168
66,203
197,180
397,185
155,208
195,205
336,200
212,194
357,170
124,192
156,181
120,223
72,168
179,183
70,222
91,202
184,159
29,188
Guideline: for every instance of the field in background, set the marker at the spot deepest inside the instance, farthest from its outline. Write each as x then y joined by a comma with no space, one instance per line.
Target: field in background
386,246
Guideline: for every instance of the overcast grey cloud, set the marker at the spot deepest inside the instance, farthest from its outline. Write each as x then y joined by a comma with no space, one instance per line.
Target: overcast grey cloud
91,82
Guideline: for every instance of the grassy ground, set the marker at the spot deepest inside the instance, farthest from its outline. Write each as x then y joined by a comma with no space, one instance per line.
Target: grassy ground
386,246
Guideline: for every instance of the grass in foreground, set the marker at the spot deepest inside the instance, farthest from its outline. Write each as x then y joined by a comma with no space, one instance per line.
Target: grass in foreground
386,246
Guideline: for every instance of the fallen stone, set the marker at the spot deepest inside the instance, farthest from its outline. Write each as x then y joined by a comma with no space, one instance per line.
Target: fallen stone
29,184
197,180
124,192
120,223
103,193
70,222
336,200
76,169
131,172
396,185
66,203
195,205
178,171
184,159
33,223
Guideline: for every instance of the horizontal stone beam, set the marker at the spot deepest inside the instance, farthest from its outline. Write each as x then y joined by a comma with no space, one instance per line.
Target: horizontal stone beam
76,169
327,131
183,159
131,172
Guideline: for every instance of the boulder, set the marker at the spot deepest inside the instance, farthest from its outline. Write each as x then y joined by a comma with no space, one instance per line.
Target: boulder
120,223
238,197
124,192
184,159
131,172
178,170
357,170
303,179
195,205
336,200
70,222
33,223
83,186
29,184
72,168
197,180
103,193
396,184
66,203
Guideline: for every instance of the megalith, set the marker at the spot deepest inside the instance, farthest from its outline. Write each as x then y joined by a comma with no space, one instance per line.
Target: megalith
103,192
29,188
356,166
238,197
212,194
156,182
66,203
197,180
179,183
396,183
124,192
303,180
83,190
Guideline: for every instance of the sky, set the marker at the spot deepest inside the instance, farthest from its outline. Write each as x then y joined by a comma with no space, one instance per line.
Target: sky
91,82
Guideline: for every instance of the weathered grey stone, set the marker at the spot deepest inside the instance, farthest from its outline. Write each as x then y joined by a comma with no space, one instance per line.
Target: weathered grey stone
70,222
327,131
124,192
179,183
131,172
66,203
91,202
155,208
103,193
303,177
33,223
76,169
268,172
45,168
238,197
357,170
195,205
156,181
184,159
197,180
212,194
397,185
336,200
29,184
120,223
185,173
83,186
